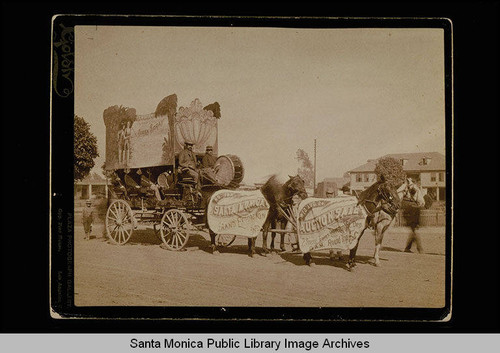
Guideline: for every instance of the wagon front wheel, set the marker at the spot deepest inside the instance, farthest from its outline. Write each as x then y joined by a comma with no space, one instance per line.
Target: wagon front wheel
119,222
224,240
175,229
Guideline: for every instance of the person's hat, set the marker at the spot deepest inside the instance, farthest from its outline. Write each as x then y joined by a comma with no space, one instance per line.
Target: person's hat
329,191
188,143
210,148
88,202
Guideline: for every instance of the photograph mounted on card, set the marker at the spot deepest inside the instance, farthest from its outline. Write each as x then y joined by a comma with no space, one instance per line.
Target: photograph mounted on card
280,170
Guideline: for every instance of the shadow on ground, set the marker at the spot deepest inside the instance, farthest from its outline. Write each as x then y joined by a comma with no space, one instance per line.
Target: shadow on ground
388,248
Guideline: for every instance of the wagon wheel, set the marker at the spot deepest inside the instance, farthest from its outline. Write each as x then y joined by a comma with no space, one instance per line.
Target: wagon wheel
119,222
175,229
224,240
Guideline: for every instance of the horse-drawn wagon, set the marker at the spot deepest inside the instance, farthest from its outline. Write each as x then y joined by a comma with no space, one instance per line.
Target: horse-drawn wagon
150,190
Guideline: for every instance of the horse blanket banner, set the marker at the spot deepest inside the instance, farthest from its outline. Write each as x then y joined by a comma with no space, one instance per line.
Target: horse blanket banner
237,212
334,223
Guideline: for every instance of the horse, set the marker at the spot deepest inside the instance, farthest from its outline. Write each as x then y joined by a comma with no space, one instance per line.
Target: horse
381,202
280,196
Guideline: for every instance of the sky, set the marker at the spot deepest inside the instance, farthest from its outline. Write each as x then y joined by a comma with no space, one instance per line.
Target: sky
361,93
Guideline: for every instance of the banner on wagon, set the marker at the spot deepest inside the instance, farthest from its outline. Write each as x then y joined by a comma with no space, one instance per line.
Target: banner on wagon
333,223
237,212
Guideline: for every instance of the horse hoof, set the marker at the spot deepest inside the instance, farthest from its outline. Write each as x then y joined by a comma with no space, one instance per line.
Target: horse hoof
377,264
312,264
282,250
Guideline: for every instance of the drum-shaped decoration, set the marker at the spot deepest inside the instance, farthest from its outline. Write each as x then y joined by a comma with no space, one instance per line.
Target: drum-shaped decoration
229,171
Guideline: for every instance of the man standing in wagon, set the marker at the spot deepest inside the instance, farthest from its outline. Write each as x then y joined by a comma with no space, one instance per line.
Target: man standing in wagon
88,219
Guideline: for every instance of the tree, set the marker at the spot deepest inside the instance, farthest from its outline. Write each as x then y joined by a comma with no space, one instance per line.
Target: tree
390,170
85,149
306,168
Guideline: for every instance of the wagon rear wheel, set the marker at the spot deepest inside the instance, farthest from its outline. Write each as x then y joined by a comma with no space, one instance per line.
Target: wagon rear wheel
224,240
119,222
175,229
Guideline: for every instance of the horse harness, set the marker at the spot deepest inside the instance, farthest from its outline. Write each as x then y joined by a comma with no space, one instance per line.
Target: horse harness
385,203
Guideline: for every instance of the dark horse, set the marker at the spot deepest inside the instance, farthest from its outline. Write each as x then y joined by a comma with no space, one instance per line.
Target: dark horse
382,202
279,195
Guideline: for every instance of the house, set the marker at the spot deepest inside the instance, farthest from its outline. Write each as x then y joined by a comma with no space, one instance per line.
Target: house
334,183
426,168
92,187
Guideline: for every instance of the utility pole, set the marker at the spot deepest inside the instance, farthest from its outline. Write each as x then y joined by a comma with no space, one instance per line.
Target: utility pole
314,179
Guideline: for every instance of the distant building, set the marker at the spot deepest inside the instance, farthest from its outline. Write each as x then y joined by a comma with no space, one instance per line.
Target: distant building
336,184
93,186
426,168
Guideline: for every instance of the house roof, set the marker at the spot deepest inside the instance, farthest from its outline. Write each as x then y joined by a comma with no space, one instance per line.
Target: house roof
339,181
414,163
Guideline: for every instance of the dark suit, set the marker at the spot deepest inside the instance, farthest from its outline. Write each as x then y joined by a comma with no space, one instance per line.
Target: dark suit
187,162
208,161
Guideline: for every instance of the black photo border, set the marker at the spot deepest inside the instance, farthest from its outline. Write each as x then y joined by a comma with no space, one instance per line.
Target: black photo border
25,247
62,202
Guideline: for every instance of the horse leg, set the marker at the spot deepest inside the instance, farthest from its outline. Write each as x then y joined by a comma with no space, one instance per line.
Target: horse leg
251,247
265,230
308,259
212,243
282,237
379,236
351,263
273,234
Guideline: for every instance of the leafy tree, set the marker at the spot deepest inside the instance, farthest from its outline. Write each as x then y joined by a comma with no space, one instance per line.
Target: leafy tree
85,149
390,170
306,168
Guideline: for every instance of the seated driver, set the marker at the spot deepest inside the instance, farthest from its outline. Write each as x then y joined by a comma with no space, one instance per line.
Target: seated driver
187,162
208,163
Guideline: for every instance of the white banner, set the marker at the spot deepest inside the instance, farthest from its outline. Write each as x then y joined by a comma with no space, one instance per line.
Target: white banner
334,223
237,212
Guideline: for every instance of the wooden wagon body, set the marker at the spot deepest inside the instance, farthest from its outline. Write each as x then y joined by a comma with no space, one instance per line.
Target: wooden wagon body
149,190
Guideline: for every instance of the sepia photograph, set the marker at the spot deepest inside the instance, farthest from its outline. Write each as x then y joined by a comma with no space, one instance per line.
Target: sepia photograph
261,167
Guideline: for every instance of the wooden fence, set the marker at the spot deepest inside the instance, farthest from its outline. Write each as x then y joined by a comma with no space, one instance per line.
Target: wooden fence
428,218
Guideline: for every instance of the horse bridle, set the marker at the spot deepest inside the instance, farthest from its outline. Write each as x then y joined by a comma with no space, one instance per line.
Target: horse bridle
389,206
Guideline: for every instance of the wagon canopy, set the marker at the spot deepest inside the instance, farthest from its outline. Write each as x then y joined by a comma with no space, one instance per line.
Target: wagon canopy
140,141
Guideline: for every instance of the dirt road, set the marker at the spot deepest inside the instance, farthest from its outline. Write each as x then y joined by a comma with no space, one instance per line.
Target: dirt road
141,273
